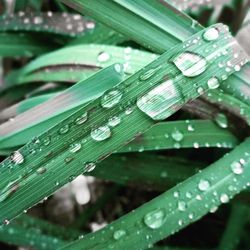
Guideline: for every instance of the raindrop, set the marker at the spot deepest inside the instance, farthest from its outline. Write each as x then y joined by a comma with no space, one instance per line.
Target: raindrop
211,34
46,141
41,170
114,121
149,73
221,120
101,133
204,185
17,157
213,83
224,198
119,234
177,135
75,147
111,98
38,20
89,166
155,219
157,103
237,168
190,64
81,119
182,206
190,128
64,129
103,57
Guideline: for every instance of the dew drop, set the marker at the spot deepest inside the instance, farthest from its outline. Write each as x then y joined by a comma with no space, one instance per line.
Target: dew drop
46,141
211,34
38,20
75,147
17,157
224,198
81,119
149,73
155,219
103,57
64,129
89,166
41,170
237,168
204,185
177,135
119,234
114,121
111,98
190,64
213,83
190,128
221,120
182,206
101,133
157,102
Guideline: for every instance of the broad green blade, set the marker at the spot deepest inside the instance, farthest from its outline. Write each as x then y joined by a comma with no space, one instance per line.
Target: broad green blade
75,145
137,19
175,209
64,64
182,134
40,118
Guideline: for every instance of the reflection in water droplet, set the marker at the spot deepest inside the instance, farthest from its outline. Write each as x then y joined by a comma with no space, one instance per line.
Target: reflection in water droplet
211,34
155,219
157,103
111,98
101,133
190,64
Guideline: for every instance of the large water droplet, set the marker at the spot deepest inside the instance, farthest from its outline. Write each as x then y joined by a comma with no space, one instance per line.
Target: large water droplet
221,120
157,102
213,83
211,34
204,185
190,64
17,157
111,98
119,234
237,168
155,219
103,57
177,135
101,133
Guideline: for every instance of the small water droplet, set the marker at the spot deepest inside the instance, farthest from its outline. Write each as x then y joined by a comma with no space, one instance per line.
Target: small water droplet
46,141
89,166
101,133
114,121
190,128
149,73
155,219
221,120
204,185
41,170
111,98
17,157
211,34
103,57
64,129
157,103
213,83
224,198
75,147
38,20
81,119
119,234
182,206
237,168
177,135
190,64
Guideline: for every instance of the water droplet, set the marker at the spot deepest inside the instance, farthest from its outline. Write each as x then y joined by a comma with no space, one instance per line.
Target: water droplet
149,73
38,20
182,206
176,194
41,170
64,129
111,98
221,120
224,198
157,103
190,128
101,133
237,168
190,64
237,67
211,34
155,219
17,157
114,121
204,185
81,119
177,135
6,222
103,57
119,234
75,147
129,110
46,141
213,83
89,166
